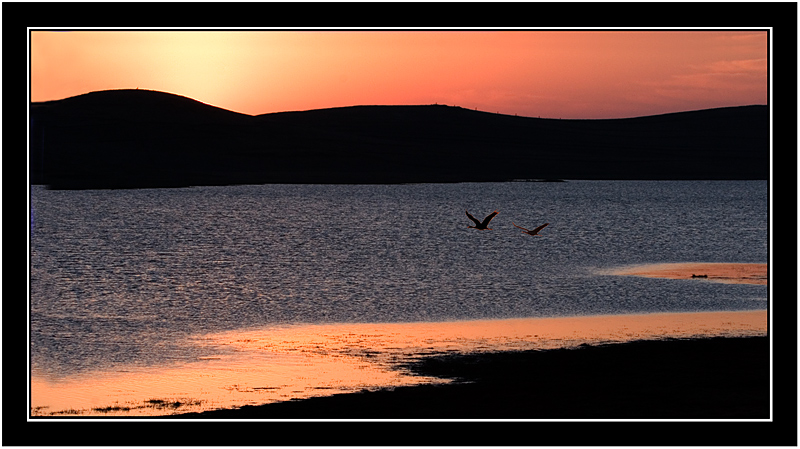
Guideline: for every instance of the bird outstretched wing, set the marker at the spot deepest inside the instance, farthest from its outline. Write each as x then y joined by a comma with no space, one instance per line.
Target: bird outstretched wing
477,222
488,218
540,228
528,231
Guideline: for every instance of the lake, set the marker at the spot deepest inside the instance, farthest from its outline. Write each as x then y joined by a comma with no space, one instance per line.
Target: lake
154,301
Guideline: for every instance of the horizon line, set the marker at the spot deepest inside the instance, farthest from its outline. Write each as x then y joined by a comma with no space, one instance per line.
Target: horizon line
30,102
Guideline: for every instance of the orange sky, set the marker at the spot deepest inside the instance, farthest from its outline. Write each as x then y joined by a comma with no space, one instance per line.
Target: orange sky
560,74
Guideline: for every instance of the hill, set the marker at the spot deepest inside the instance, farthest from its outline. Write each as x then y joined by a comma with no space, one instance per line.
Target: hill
138,138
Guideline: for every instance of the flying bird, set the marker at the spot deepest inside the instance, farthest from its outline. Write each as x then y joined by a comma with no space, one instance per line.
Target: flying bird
481,225
533,232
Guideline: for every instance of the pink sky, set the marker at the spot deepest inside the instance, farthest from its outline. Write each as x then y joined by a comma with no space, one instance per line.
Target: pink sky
545,73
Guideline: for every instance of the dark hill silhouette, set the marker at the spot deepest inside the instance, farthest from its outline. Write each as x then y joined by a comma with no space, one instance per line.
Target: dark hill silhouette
139,138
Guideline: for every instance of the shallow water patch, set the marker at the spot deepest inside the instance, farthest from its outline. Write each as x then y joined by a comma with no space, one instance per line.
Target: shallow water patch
728,273
271,364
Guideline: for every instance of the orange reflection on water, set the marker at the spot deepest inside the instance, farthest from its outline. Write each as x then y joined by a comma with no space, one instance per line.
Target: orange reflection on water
728,273
223,381
279,363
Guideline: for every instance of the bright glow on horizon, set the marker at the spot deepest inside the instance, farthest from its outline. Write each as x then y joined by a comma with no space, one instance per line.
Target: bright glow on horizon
561,74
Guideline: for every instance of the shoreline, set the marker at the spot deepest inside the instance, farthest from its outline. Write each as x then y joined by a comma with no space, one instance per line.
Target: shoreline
263,365
703,378
728,273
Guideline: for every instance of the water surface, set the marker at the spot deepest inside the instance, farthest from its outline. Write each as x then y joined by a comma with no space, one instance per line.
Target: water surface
129,281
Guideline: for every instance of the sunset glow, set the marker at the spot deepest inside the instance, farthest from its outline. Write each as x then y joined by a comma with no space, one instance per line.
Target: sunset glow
279,363
546,73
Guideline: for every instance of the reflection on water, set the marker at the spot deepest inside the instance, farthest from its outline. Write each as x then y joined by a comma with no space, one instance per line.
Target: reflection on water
156,301
726,273
270,364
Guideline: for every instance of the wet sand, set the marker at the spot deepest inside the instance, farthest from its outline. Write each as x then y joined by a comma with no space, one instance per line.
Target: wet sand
730,273
711,378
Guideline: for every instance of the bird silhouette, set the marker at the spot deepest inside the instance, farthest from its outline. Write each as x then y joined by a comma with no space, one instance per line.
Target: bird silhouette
533,232
481,225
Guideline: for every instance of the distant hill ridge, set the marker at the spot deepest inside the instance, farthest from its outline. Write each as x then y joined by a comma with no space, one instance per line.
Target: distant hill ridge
138,138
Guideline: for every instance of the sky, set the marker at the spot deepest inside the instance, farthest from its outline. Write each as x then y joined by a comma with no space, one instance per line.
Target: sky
578,74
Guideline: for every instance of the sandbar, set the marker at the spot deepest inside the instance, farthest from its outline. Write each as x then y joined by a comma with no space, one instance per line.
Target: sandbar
729,273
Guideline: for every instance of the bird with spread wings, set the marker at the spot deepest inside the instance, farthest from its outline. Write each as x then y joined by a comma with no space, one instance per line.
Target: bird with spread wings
531,232
482,225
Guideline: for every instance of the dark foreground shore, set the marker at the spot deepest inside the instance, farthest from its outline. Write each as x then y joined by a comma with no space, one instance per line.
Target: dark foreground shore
715,378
